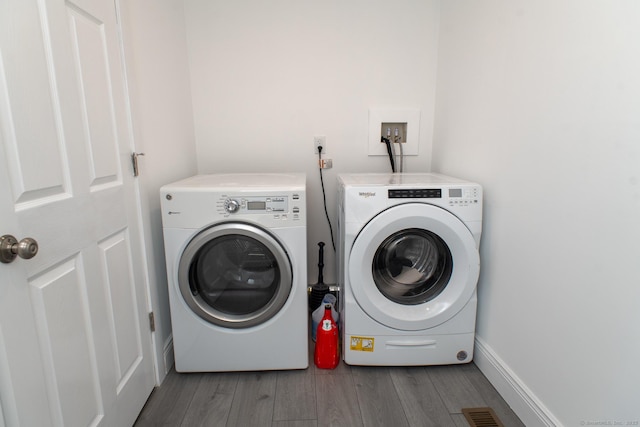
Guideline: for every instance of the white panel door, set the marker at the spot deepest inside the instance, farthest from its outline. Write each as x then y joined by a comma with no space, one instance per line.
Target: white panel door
75,345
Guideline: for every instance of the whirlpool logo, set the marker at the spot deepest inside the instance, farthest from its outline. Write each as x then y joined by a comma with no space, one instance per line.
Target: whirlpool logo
367,194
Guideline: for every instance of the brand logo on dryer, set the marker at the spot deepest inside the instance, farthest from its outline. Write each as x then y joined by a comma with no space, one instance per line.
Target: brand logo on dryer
367,194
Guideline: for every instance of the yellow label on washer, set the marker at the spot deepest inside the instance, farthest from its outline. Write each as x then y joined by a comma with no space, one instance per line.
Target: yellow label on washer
361,344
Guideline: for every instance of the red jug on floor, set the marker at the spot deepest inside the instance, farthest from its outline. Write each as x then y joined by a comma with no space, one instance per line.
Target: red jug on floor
327,352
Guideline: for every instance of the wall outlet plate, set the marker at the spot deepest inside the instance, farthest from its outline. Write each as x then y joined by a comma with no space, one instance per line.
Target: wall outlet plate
320,141
407,120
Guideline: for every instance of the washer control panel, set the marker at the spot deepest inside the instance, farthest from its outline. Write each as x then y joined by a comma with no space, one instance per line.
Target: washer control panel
416,193
456,196
464,196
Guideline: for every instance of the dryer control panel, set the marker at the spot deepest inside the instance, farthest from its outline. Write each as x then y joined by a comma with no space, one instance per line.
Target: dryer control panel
247,205
276,207
267,200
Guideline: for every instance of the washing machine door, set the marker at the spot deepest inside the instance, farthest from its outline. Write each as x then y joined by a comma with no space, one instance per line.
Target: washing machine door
413,266
235,275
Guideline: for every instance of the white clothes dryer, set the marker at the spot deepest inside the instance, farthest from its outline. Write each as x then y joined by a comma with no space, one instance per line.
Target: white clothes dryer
235,248
408,266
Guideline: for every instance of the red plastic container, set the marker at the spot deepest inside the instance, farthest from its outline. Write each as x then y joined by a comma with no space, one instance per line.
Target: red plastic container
327,351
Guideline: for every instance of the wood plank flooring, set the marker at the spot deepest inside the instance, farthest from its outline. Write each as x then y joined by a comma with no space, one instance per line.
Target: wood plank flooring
346,396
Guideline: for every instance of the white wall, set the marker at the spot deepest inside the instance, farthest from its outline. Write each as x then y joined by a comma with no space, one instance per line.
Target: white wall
540,102
155,46
268,76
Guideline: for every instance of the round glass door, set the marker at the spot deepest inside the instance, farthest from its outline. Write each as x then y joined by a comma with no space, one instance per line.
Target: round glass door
235,275
413,266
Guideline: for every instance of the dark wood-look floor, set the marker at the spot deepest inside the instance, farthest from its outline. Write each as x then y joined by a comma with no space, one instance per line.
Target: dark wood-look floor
347,396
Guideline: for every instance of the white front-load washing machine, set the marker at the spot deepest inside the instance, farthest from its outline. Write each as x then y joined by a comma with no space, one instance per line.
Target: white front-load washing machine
408,266
235,249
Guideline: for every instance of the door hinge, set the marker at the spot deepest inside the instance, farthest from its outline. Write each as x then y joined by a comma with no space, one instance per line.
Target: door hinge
152,322
134,161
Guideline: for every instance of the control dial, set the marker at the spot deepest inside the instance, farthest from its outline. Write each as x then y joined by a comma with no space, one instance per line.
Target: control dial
231,205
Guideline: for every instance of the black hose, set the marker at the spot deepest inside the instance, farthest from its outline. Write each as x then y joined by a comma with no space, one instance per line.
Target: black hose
389,152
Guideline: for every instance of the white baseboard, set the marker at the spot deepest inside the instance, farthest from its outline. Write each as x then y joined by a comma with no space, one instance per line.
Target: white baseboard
518,396
169,358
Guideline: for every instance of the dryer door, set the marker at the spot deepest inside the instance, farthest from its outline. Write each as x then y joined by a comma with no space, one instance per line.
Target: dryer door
413,266
235,275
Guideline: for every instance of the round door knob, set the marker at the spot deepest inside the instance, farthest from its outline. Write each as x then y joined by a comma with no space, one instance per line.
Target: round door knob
27,248
10,248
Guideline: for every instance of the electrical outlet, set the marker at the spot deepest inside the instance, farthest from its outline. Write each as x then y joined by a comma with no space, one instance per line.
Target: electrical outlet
320,141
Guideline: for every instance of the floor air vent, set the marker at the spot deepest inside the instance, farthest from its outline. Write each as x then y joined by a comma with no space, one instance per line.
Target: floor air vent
481,417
